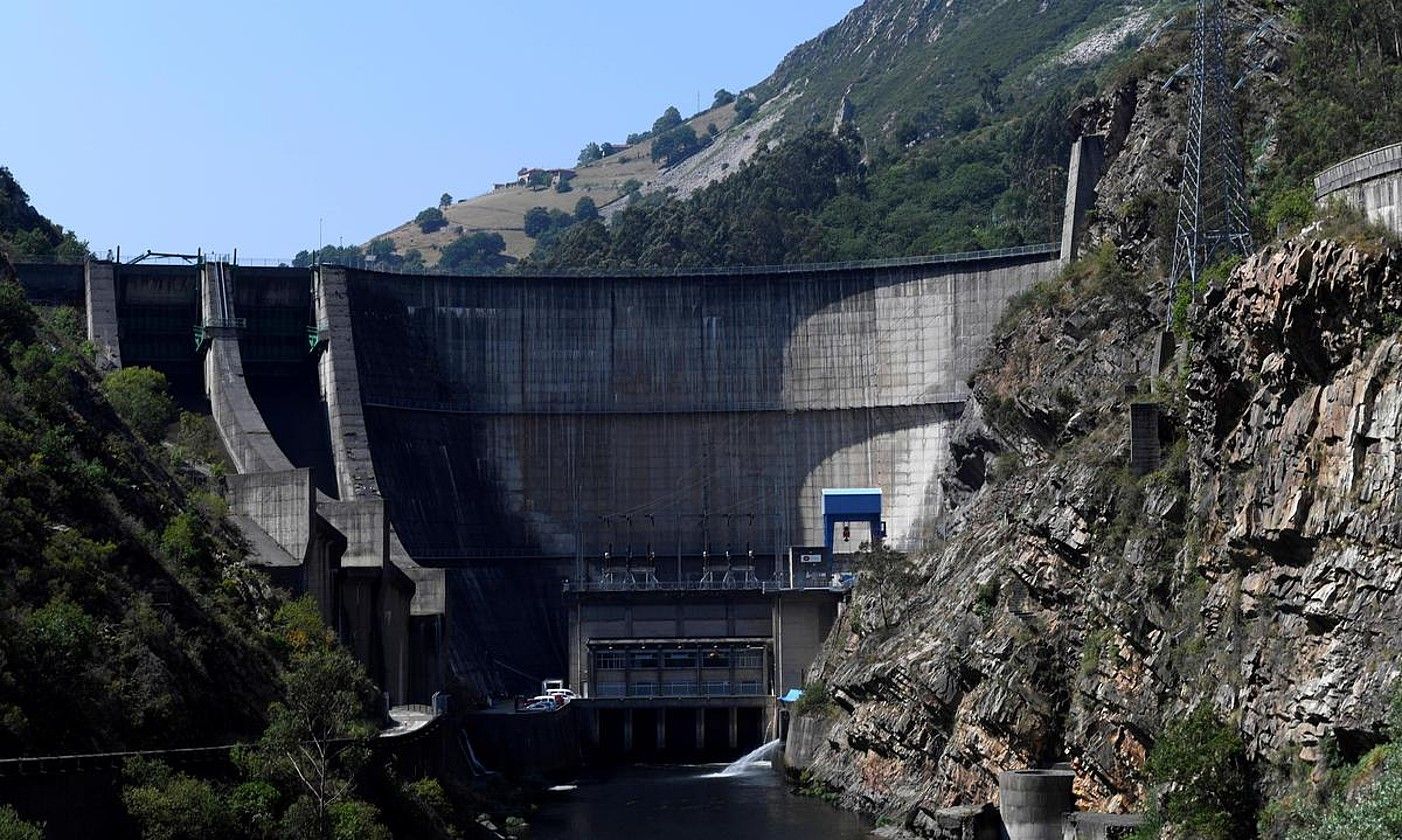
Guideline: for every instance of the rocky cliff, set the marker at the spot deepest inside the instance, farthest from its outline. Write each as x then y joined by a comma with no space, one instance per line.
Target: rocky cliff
1073,609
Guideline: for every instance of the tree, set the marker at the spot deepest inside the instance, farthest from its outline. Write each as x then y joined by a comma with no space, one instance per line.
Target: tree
14,828
382,252
445,200
430,220
745,107
670,119
536,221
590,153
562,185
1199,764
675,146
318,735
172,806
607,149
475,252
585,210
141,398
631,187
723,97
887,578
540,178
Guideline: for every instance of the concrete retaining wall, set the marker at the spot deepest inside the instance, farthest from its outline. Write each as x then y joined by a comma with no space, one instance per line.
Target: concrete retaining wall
1371,182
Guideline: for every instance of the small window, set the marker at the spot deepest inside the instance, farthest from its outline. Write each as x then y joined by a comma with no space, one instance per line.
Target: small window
749,658
609,689
679,659
715,658
748,687
646,659
643,689
679,688
717,688
610,660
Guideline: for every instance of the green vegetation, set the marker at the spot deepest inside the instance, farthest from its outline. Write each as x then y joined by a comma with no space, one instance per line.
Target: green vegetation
723,97
474,253
886,580
331,255
141,399
1344,97
585,210
590,153
24,232
445,200
675,146
812,199
122,623
300,775
1199,766
1357,801
986,597
14,828
430,219
816,700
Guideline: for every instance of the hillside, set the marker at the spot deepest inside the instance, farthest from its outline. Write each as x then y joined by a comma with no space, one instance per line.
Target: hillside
503,210
910,68
25,232
898,72
127,618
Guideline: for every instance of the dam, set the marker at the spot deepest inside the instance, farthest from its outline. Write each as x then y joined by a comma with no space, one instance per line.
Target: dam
488,481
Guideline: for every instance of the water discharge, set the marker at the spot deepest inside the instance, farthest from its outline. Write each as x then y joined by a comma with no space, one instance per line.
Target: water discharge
761,758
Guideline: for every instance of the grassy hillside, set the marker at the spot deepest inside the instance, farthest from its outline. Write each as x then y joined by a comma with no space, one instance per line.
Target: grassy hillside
503,211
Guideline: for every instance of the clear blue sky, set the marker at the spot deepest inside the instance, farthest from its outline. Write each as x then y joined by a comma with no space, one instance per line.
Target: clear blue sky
180,125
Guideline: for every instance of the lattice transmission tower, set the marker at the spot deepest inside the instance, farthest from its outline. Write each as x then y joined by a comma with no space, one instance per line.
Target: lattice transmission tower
1212,212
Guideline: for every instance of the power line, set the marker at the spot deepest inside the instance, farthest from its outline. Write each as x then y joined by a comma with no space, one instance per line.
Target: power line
1213,218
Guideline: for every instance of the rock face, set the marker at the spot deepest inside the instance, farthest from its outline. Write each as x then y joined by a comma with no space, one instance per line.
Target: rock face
1072,610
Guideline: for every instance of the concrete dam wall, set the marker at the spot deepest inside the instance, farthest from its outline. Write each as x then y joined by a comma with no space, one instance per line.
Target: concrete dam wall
520,417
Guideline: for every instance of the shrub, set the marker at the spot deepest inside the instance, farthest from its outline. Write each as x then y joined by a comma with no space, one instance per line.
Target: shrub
172,806
986,597
14,828
140,397
1201,765
185,539
357,820
815,700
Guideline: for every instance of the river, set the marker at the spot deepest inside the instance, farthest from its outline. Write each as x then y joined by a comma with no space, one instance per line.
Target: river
689,803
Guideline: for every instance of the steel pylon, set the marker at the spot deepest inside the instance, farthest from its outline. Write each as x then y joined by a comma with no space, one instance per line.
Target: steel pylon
1213,219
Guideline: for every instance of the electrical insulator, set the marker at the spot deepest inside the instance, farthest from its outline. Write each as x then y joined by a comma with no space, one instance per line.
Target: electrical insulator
846,533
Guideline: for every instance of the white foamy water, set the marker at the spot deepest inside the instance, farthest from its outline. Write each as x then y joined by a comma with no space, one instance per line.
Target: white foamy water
761,758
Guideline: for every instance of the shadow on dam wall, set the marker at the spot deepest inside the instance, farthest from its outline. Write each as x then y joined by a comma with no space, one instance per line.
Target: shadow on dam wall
280,367
513,421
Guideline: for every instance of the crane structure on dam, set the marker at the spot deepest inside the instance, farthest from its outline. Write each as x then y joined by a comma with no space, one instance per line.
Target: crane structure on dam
1213,219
